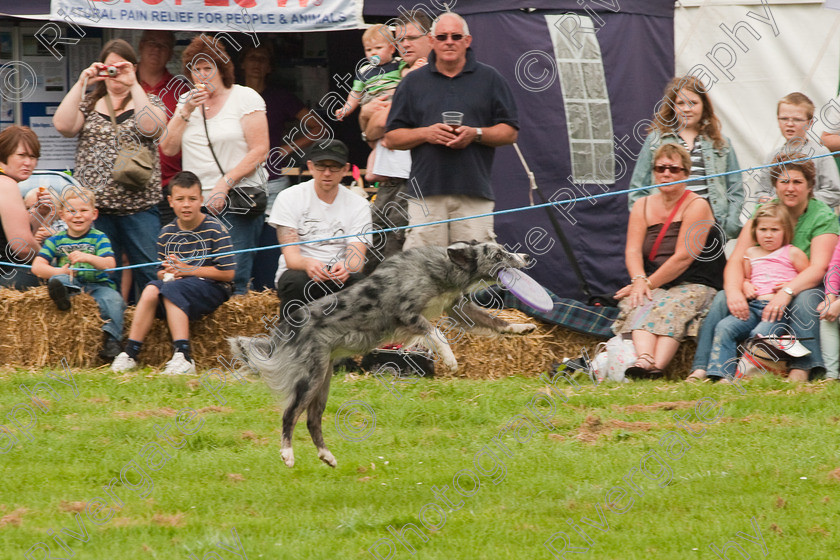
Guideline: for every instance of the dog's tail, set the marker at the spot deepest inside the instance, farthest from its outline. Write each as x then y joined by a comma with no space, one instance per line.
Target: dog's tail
262,354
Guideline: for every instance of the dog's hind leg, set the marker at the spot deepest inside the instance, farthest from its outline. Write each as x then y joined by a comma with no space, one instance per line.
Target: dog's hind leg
294,408
314,415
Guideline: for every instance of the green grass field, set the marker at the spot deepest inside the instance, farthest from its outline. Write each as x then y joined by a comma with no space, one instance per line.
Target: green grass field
768,467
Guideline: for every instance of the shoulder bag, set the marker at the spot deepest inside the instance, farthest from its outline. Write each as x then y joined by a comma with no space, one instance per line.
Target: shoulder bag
244,200
132,168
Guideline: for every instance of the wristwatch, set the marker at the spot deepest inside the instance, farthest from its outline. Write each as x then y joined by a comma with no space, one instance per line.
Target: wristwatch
788,291
478,133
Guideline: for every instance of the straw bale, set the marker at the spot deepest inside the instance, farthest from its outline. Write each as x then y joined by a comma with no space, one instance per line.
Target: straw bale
238,316
35,334
481,357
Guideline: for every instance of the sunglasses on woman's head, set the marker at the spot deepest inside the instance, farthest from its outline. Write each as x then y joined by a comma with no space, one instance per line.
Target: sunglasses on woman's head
670,168
444,36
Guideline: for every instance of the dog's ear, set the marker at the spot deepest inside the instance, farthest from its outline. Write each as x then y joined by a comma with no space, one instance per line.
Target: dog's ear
462,254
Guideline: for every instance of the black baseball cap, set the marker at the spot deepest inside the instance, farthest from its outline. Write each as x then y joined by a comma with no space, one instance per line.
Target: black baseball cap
334,150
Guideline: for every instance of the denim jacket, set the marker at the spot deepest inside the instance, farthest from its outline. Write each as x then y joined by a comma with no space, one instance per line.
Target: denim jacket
726,193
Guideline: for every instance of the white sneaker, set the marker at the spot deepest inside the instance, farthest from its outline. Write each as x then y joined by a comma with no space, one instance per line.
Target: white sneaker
179,365
123,362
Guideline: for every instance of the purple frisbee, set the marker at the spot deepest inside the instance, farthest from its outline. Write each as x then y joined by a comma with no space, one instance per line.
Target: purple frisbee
526,289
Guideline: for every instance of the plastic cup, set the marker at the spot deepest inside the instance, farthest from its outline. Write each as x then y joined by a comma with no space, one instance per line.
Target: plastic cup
452,118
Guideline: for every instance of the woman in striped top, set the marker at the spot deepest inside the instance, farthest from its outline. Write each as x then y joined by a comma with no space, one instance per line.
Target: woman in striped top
686,116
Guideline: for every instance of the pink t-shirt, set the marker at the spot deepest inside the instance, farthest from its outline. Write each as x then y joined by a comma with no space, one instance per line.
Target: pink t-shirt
771,270
832,277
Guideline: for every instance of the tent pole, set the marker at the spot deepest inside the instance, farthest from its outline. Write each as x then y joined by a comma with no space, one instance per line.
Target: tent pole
567,248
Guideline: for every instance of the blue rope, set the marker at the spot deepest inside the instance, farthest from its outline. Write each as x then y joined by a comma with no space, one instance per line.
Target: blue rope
494,213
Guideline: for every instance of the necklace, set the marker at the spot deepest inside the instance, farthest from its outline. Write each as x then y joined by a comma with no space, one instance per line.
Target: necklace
214,103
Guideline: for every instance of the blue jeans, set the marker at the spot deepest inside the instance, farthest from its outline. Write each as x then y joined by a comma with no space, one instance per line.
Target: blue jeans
731,331
110,302
134,235
244,234
801,315
275,187
265,261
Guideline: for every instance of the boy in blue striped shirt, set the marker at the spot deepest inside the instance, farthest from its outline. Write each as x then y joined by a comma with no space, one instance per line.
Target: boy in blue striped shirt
193,279
82,247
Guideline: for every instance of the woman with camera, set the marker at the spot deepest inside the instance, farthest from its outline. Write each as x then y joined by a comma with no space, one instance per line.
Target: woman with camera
116,156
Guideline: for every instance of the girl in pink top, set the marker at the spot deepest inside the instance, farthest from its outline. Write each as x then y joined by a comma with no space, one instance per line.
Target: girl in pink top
769,266
829,311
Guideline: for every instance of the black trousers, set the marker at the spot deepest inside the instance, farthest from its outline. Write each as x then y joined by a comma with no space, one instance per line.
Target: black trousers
296,285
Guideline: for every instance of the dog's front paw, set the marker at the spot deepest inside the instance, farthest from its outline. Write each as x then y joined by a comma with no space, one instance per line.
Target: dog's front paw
288,456
327,457
520,328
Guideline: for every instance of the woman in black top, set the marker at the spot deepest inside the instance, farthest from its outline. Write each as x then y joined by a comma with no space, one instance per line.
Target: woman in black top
674,274
19,153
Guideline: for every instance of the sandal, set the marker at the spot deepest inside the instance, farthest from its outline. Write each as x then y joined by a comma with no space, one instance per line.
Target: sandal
636,372
645,357
696,375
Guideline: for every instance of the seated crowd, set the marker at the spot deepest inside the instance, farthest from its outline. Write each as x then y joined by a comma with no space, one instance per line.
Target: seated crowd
771,284
182,205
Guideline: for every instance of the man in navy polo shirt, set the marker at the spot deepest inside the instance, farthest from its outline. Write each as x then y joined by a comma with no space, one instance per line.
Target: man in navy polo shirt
450,165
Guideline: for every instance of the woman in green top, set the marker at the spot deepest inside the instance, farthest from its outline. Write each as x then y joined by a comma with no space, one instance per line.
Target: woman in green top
815,232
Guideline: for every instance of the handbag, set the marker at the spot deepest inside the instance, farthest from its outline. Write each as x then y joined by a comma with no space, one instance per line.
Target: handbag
245,200
610,363
132,168
769,354
402,361
618,355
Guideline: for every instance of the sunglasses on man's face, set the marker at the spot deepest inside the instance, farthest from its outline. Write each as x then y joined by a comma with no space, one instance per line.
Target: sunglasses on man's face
444,36
673,169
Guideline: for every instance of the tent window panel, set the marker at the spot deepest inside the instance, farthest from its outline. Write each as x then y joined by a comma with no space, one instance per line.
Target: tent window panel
572,80
596,83
582,158
599,115
604,162
577,117
580,68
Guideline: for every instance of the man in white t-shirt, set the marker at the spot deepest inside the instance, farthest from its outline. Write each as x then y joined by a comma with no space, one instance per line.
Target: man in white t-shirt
320,209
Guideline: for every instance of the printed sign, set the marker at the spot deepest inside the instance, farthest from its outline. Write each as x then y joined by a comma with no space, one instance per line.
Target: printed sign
212,15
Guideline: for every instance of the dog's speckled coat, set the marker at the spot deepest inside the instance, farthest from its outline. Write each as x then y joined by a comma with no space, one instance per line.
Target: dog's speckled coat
395,304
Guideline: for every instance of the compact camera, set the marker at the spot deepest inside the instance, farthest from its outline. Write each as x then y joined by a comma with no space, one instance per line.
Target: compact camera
108,71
